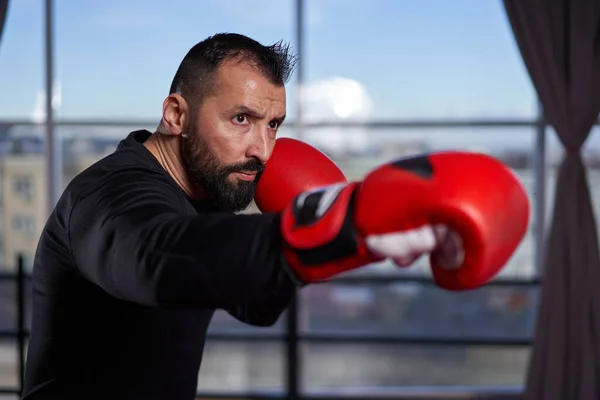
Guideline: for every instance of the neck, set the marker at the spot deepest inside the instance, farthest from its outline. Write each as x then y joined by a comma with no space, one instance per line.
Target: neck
166,149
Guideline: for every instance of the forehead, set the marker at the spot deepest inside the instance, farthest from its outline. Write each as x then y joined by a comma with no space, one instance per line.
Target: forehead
237,80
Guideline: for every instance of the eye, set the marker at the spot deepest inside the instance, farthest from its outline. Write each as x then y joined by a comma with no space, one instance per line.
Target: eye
273,124
240,119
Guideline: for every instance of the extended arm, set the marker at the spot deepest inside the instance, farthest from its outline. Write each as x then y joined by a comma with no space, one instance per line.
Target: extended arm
130,237
266,312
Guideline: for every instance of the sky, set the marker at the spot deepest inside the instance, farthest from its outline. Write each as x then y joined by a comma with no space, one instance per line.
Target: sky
362,59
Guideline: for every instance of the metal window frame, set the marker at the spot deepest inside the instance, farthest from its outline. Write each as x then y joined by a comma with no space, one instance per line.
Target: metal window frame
292,336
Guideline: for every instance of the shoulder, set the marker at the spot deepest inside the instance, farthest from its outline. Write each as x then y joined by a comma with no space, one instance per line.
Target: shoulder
123,175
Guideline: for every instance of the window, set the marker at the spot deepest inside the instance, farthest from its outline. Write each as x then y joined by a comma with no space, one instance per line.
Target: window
410,62
242,367
512,145
21,77
24,224
23,187
399,60
130,77
381,367
375,66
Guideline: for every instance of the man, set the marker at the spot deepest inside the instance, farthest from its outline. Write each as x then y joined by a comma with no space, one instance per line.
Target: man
121,303
146,244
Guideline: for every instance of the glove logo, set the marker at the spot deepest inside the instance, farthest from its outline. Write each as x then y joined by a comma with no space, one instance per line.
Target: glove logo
312,205
418,165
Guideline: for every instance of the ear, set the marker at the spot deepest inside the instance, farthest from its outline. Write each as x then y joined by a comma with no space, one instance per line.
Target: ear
175,114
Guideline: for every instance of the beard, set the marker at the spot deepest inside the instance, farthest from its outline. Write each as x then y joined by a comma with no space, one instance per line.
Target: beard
206,170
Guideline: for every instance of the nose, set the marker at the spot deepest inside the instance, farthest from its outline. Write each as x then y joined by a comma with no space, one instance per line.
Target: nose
261,146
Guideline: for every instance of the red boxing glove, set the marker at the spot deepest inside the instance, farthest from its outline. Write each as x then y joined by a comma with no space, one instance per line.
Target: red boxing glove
322,238
320,235
293,168
467,210
314,197
478,198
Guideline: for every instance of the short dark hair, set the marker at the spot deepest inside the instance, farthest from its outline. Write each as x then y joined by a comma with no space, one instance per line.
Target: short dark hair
195,77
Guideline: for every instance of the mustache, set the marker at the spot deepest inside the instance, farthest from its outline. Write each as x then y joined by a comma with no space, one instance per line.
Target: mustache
252,165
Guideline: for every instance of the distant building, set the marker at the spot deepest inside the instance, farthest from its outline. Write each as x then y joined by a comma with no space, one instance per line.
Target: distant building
23,185
23,205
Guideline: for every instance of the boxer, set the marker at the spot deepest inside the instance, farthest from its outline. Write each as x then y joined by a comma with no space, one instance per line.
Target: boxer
145,245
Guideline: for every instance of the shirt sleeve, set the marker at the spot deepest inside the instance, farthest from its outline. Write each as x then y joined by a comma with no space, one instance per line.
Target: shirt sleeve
130,236
266,311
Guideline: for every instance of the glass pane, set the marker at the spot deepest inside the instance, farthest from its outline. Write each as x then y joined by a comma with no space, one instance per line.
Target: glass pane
592,160
381,366
81,146
8,364
114,62
411,309
8,305
242,366
22,66
23,193
387,59
358,150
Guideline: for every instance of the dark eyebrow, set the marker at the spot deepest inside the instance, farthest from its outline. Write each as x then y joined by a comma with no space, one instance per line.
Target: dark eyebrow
256,114
249,111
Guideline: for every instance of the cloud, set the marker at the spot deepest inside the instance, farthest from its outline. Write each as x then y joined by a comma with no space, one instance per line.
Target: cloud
337,99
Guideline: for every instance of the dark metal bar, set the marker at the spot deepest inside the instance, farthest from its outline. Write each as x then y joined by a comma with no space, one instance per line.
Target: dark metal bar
389,279
375,339
11,334
375,124
3,15
343,337
12,276
411,392
292,349
21,329
293,362
243,335
370,393
423,124
253,395
539,170
10,390
50,140
339,337
416,392
368,279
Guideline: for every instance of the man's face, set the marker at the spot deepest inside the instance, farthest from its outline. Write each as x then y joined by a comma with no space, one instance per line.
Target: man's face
232,135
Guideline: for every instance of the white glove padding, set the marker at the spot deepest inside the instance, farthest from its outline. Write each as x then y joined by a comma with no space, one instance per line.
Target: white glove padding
404,248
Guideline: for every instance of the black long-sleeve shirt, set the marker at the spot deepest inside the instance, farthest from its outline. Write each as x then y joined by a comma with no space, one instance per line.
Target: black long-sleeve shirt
127,275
